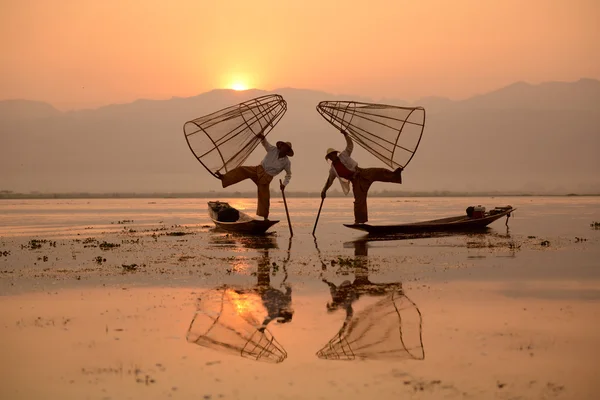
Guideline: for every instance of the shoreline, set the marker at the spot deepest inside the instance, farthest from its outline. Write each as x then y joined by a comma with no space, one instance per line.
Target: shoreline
250,195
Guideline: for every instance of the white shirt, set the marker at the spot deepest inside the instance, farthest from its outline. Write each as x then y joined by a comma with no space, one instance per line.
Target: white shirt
348,162
273,164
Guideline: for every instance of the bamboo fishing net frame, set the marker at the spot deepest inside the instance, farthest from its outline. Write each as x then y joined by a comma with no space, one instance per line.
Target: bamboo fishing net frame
211,138
380,129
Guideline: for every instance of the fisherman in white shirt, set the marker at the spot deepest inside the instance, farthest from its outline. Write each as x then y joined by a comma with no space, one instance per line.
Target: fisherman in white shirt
274,162
347,171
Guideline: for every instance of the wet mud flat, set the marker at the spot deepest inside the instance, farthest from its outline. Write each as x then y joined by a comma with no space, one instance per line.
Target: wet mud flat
188,312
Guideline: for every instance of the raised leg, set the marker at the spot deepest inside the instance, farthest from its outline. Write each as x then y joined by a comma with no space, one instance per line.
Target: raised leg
381,175
239,174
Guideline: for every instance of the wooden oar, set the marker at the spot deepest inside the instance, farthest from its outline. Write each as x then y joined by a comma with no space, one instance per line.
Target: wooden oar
286,209
318,214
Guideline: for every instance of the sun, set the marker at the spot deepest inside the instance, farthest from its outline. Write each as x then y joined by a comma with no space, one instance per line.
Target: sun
239,86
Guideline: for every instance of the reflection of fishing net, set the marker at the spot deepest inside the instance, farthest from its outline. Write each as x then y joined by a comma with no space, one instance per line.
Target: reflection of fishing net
388,329
390,133
224,139
225,322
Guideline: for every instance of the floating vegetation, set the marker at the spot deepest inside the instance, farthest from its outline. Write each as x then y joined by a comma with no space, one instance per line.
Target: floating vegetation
108,246
99,260
125,221
178,233
163,228
129,267
482,245
34,244
4,253
90,242
545,243
345,262
595,225
130,241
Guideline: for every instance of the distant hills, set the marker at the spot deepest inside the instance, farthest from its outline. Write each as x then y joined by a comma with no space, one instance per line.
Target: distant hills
521,138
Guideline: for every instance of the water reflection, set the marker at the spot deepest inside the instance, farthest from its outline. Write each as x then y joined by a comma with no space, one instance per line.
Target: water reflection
389,328
257,242
234,320
225,321
277,301
380,322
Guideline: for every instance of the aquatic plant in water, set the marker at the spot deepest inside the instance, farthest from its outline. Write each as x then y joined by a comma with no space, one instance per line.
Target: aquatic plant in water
108,246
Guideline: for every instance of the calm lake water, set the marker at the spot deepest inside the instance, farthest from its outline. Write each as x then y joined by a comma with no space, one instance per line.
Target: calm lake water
494,315
553,216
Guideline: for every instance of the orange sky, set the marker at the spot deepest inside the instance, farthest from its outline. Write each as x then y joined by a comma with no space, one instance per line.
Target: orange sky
84,53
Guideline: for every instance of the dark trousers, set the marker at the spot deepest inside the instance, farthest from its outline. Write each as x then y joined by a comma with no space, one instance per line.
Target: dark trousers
360,187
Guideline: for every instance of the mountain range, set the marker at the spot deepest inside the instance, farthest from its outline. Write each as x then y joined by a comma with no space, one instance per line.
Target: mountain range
541,138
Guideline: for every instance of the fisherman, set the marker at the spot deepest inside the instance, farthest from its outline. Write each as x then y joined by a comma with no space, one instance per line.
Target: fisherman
347,171
274,162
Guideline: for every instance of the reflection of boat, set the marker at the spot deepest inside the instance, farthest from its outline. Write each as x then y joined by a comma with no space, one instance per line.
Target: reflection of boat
232,220
254,242
460,223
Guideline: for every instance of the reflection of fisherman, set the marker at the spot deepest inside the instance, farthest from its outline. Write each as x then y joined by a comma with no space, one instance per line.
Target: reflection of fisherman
278,303
274,162
388,328
344,295
347,170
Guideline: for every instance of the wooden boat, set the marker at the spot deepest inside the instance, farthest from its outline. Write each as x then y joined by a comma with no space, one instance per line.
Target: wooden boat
231,219
460,223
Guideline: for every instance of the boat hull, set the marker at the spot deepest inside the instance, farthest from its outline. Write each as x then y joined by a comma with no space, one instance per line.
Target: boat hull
461,223
244,224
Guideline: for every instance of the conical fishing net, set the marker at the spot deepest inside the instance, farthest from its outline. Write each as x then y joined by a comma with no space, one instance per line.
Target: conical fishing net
225,321
388,329
390,133
224,139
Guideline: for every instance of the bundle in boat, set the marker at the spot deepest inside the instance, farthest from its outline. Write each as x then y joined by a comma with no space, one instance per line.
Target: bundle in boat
390,133
389,329
225,321
223,140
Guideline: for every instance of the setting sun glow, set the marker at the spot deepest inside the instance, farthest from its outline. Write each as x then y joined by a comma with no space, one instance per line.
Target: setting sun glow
239,86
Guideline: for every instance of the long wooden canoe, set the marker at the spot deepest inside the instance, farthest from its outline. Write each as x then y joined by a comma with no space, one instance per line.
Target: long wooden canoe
231,219
460,223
